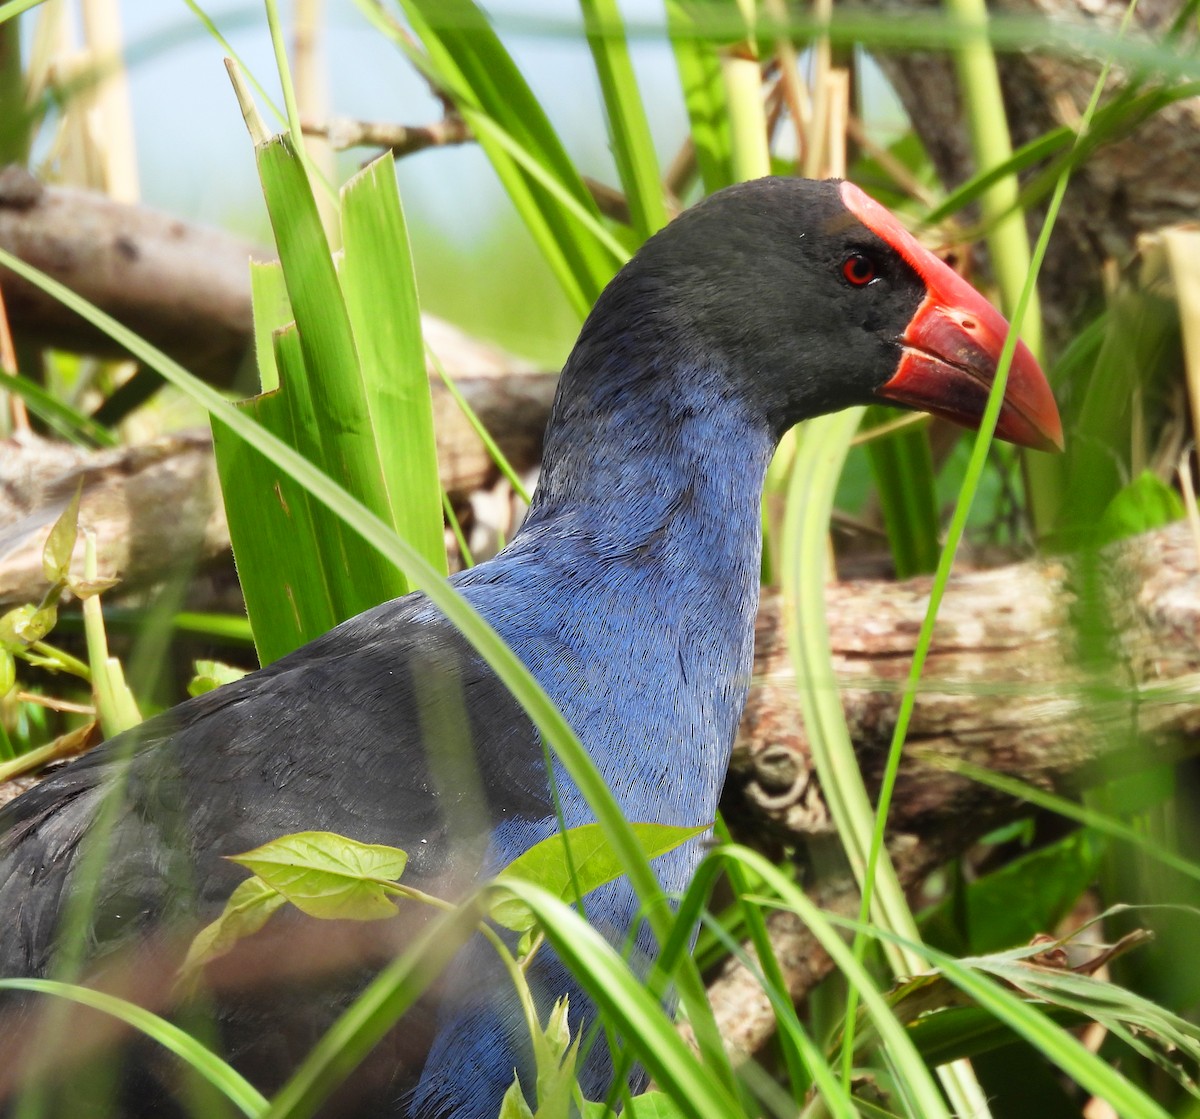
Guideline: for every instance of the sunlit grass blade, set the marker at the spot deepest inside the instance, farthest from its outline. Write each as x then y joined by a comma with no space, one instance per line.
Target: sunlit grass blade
703,94
15,7
471,64
283,545
282,541
632,146
902,465
347,444
381,298
227,1080
392,992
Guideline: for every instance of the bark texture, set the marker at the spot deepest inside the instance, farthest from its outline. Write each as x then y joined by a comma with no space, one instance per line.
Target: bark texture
1060,674
156,507
1145,177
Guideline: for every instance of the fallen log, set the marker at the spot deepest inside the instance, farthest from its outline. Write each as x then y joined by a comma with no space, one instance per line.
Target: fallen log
156,508
1060,673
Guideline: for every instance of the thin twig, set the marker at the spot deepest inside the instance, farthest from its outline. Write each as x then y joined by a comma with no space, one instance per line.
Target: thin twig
401,139
902,176
681,172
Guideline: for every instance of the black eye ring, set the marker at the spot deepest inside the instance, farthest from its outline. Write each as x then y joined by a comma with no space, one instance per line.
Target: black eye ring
858,269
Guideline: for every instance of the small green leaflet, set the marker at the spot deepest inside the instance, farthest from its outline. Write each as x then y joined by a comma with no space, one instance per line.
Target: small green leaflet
60,544
211,675
246,911
546,865
327,875
1145,503
649,1105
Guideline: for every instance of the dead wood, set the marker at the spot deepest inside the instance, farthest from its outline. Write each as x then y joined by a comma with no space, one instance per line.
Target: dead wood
186,289
183,287
156,508
1059,674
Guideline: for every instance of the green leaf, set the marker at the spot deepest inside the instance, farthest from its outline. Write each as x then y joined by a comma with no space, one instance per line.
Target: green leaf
628,129
513,1106
211,675
327,875
249,908
60,544
1027,896
381,299
555,1055
1145,503
592,860
652,1105
24,625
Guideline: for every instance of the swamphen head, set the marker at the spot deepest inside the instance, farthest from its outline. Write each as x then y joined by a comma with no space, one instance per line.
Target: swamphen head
809,297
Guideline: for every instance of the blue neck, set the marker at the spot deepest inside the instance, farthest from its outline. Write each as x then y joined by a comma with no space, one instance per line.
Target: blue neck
669,464
648,548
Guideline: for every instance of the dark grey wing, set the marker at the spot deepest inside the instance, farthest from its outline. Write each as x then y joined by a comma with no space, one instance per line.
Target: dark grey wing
389,729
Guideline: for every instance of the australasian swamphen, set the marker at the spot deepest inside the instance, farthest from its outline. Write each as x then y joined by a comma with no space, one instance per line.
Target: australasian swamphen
629,592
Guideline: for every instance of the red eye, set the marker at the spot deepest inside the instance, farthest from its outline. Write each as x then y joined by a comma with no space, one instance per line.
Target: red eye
858,269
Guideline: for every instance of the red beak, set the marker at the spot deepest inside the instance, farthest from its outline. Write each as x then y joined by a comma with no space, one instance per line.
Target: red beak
952,345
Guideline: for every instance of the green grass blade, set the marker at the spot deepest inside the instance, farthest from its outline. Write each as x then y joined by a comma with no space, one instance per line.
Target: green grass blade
467,59
973,976
287,547
626,1003
381,298
628,129
207,1064
284,546
15,7
902,466
1087,1069
914,1078
703,93
69,423
347,446
484,436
